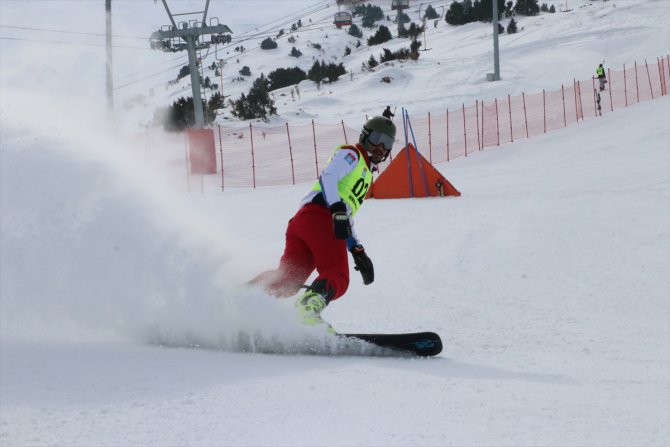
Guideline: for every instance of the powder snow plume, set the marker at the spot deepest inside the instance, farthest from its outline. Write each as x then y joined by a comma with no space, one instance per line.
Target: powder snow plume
117,250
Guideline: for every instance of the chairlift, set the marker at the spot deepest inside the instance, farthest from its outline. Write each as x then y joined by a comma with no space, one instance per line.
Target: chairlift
343,19
399,4
221,38
163,45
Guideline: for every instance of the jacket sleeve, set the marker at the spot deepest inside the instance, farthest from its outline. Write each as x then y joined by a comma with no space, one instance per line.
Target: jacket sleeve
344,161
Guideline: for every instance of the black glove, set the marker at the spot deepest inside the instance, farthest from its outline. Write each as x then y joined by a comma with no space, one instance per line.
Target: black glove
363,264
341,225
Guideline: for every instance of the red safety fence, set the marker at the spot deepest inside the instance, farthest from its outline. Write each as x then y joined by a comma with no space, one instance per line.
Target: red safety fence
256,156
202,151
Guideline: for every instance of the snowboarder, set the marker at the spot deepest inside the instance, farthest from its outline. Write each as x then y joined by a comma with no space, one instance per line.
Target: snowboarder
320,233
387,113
600,71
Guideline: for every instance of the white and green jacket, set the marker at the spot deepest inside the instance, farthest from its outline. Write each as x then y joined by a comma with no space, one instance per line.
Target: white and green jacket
346,177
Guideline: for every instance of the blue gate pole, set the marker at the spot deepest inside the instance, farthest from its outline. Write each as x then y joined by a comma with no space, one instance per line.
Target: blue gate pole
418,157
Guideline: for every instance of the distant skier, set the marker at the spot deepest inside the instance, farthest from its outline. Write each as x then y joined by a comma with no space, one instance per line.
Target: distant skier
600,71
440,187
387,113
319,234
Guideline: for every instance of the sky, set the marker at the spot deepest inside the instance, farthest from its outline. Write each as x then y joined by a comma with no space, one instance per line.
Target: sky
124,316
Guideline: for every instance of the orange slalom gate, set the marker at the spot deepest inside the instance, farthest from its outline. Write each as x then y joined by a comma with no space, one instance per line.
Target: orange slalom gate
403,177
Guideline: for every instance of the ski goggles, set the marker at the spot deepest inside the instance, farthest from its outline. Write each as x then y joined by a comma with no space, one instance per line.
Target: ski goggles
381,138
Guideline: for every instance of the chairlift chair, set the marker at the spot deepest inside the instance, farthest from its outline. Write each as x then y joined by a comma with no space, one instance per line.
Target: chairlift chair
399,4
343,19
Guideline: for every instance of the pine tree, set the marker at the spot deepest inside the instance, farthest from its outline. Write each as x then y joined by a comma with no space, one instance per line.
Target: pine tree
215,103
283,77
295,52
414,49
355,31
370,14
257,104
527,7
382,35
334,71
509,9
455,14
179,115
315,73
403,18
386,56
482,10
414,31
511,27
268,44
183,72
321,72
430,13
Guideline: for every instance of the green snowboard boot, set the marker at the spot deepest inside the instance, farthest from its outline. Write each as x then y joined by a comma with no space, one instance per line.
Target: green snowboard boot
310,305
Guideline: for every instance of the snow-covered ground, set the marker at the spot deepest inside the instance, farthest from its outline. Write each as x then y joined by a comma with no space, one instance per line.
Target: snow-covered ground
548,279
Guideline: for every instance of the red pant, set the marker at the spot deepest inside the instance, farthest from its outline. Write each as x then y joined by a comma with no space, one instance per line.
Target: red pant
310,244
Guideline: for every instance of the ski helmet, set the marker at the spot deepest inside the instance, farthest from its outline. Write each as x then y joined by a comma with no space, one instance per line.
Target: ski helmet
378,130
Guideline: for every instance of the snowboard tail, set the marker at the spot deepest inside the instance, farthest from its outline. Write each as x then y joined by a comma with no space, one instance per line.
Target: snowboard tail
423,344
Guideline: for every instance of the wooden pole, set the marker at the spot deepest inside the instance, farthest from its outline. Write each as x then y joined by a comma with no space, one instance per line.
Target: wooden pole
290,152
447,134
316,157
565,119
525,116
480,142
465,135
221,151
497,122
544,106
509,108
253,156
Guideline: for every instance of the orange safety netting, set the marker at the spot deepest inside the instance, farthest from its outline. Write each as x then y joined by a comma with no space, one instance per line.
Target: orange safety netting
255,156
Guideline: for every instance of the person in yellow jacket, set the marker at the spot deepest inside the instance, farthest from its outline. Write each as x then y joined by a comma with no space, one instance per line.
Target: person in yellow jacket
322,231
600,71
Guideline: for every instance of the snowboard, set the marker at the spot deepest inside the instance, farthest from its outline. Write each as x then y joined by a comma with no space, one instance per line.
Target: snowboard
422,344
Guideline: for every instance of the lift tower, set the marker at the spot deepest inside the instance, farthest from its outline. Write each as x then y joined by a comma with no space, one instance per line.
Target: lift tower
108,45
496,54
171,38
399,5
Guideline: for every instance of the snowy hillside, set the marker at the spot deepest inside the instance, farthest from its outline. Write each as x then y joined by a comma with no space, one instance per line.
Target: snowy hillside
549,50
121,298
